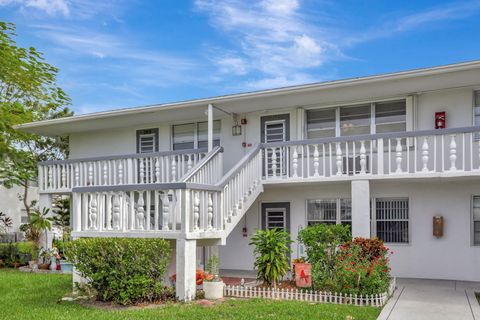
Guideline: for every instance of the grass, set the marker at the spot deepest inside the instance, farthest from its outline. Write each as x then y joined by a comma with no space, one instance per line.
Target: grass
36,296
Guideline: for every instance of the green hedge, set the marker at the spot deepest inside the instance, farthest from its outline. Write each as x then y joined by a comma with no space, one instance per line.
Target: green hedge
18,252
122,270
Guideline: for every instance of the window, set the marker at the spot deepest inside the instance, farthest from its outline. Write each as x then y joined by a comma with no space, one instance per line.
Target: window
476,220
194,135
329,211
390,117
370,118
476,107
355,120
147,140
321,123
391,219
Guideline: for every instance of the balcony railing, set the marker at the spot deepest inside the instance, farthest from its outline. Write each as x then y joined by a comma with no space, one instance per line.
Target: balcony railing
145,168
411,154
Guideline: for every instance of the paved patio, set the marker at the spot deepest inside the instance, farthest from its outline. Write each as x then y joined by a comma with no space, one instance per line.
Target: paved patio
418,299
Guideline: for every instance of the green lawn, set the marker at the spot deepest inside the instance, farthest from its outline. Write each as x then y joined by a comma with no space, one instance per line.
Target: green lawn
36,296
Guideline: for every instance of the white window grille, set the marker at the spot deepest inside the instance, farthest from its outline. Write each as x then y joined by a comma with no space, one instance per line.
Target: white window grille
147,141
390,219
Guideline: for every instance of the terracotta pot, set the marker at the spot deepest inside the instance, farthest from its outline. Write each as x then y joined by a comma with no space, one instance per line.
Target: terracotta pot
16,265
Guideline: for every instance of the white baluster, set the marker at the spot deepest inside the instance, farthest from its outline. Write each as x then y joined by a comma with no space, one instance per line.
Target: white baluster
189,162
157,170
210,212
295,162
363,158
453,153
50,176
339,159
63,174
77,175
93,211
316,160
398,159
174,169
142,170
274,162
196,211
166,208
116,213
479,152
425,154
90,174
105,173
120,172
140,211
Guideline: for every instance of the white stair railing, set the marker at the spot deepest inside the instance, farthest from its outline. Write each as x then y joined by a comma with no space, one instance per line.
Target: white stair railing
207,171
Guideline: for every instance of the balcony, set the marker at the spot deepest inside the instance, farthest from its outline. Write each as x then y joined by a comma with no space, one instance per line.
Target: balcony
419,154
160,167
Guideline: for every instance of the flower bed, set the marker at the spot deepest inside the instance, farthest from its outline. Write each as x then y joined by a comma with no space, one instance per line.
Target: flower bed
374,300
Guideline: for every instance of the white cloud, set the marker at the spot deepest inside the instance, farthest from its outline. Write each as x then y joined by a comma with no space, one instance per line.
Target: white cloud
271,37
51,7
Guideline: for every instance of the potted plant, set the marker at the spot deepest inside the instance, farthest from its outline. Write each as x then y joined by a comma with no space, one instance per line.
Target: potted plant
212,283
45,255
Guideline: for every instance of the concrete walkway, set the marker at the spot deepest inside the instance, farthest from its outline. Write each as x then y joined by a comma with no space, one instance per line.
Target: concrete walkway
417,299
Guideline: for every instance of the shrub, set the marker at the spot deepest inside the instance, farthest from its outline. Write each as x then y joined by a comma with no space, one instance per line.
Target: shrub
373,248
272,250
321,243
362,267
122,270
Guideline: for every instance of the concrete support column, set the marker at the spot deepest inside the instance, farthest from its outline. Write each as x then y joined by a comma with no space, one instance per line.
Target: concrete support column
210,127
361,208
186,254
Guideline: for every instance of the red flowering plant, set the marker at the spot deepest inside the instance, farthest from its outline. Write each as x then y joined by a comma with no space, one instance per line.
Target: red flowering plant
362,267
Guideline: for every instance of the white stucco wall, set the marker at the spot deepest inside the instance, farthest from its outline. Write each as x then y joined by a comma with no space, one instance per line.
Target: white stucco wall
450,257
12,206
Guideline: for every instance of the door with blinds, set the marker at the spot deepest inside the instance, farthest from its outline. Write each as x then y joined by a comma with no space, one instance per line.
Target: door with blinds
147,142
275,129
276,215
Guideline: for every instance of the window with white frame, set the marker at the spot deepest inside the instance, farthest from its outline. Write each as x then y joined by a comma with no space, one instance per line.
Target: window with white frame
194,135
377,117
329,211
476,220
476,107
390,219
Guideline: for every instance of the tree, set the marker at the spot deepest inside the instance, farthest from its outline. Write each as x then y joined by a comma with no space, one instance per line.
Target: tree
42,222
28,92
61,217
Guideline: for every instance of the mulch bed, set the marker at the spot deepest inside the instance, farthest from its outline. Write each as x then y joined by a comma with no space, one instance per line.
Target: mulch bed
289,284
234,281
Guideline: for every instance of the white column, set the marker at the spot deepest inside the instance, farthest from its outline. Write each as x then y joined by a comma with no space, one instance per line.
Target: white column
210,127
361,208
186,254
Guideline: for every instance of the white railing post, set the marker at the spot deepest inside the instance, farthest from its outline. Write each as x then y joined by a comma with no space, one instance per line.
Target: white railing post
116,212
453,153
93,211
398,155
210,212
140,211
339,159
274,162
165,211
425,154
316,161
363,158
196,211
295,162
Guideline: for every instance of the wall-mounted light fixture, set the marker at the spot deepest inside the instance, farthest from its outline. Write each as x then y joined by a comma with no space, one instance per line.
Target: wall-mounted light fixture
236,128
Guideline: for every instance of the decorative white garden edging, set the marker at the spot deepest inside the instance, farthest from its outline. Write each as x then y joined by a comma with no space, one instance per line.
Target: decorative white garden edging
376,300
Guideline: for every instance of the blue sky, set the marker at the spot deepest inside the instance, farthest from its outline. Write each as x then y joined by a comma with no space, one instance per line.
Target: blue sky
114,54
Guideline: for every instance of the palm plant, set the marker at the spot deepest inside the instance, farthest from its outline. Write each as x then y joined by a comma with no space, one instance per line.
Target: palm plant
5,222
272,251
41,221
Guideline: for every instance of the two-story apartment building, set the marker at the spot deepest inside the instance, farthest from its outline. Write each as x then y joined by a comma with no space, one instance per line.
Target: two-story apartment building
387,154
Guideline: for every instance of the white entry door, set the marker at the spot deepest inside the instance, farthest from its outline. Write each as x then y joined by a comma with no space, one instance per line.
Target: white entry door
275,129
